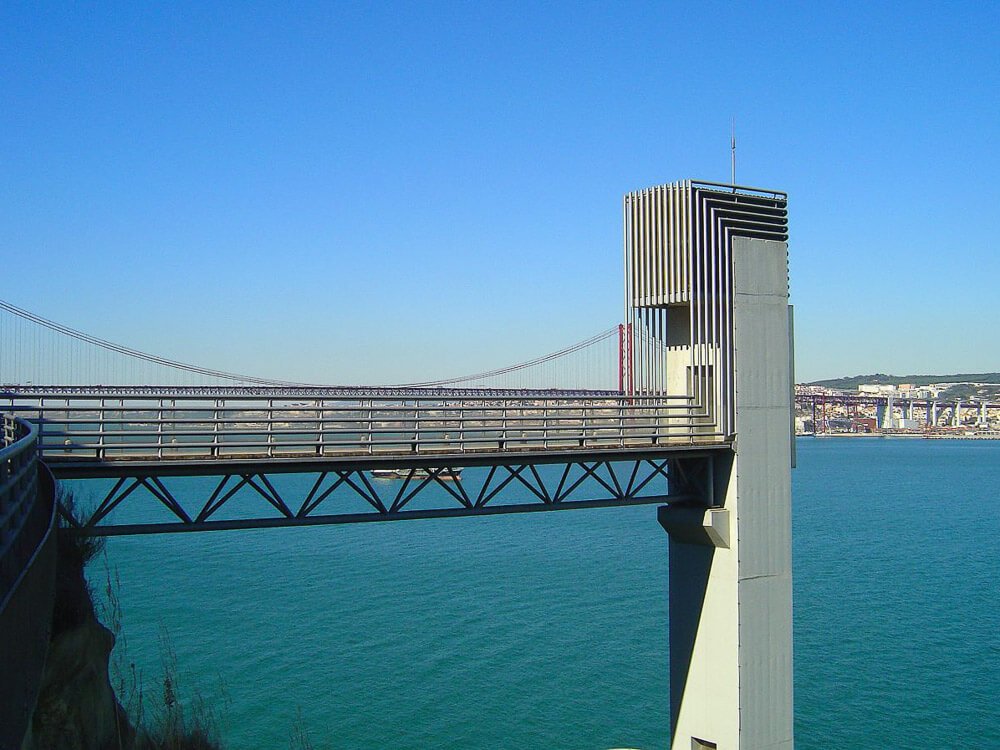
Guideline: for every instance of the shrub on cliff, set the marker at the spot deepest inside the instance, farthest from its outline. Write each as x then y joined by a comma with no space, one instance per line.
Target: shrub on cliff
74,601
177,725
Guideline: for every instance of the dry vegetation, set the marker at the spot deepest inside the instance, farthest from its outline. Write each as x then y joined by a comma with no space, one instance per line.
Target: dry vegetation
170,719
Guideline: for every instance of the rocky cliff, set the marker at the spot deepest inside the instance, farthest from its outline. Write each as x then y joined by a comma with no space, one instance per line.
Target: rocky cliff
77,708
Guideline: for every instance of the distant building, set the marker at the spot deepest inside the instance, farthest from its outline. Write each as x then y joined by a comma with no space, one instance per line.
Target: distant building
865,424
876,388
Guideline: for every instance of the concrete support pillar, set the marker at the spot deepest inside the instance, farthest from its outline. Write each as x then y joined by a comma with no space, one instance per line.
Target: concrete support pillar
957,421
730,565
932,413
888,421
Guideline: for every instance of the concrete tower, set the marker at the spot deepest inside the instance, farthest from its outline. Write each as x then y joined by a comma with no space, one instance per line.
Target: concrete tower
707,298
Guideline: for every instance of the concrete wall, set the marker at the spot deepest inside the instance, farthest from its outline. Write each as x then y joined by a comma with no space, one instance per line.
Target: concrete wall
763,492
731,601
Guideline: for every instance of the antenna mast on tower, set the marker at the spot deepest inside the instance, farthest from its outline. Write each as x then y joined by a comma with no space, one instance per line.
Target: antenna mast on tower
732,143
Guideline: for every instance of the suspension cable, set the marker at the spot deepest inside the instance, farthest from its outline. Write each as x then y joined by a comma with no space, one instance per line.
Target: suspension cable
137,356
521,365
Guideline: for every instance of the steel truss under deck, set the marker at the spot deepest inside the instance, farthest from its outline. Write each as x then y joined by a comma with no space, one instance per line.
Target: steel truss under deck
675,477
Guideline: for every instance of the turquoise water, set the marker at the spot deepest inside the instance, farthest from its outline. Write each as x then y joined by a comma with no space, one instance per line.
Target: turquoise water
897,614
549,630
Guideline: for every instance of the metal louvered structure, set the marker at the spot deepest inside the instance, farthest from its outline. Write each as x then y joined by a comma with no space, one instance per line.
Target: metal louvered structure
678,242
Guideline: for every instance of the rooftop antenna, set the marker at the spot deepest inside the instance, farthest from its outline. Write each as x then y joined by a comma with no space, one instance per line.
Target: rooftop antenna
732,143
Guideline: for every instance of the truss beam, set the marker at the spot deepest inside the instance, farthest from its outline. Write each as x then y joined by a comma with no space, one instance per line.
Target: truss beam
508,487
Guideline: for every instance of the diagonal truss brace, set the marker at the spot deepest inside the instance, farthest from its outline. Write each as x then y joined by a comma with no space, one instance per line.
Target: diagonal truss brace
507,488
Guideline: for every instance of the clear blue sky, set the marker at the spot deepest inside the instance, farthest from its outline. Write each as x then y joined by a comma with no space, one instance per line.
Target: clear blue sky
348,193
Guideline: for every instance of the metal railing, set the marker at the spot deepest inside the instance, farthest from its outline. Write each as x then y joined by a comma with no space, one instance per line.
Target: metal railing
96,426
23,522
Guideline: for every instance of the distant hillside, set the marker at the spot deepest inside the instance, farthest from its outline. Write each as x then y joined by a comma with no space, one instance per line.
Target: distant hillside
852,383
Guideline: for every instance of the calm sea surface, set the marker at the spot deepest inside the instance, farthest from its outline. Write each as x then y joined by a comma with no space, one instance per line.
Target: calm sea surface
549,630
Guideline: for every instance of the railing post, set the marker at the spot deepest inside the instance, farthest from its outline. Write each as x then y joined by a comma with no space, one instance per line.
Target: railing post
621,422
545,423
270,426
369,434
320,426
41,421
416,426
100,429
216,449
461,428
159,430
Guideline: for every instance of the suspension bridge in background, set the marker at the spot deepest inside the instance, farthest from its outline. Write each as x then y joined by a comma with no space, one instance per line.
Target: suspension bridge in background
568,406
686,403
51,356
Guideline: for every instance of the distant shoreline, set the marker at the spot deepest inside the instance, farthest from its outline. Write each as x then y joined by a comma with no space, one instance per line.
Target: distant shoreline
881,436
853,381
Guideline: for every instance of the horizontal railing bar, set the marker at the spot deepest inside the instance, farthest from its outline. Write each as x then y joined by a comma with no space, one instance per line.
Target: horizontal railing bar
562,406
340,425
230,449
52,429
209,427
764,191
22,441
471,416
209,398
56,447
220,449
528,427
